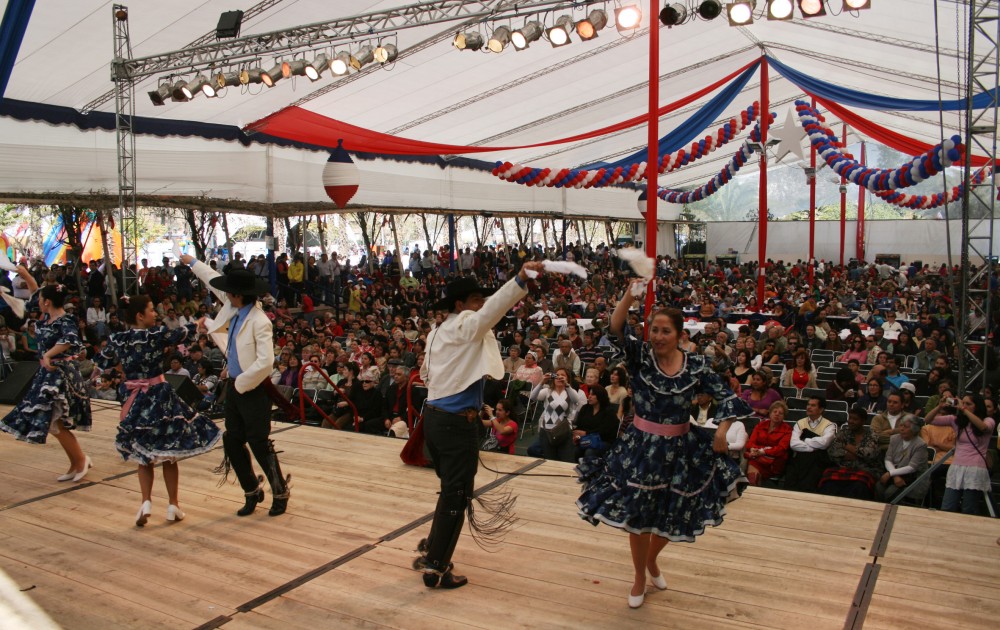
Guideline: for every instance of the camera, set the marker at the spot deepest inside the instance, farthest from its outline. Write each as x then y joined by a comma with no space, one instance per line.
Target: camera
951,402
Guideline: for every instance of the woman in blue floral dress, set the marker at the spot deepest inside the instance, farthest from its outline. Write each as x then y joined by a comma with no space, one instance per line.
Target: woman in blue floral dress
664,479
57,400
156,426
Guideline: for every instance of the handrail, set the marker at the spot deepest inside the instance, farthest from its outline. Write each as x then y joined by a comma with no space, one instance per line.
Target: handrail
303,398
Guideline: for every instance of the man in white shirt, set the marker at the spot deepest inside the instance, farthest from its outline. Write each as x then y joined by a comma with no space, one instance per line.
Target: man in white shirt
566,357
811,437
325,269
542,312
891,325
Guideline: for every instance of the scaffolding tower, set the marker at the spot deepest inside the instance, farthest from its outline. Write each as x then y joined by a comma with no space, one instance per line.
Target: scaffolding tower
125,135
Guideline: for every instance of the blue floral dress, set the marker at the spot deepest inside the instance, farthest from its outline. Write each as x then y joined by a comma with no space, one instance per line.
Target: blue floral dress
57,399
159,426
669,486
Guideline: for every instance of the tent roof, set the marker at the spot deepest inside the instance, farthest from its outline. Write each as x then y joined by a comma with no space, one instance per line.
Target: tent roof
440,94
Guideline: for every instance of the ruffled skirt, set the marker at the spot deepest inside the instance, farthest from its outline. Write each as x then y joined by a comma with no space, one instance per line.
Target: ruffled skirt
160,427
55,400
669,486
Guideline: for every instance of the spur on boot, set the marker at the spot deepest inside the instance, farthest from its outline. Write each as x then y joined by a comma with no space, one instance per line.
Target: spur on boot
144,511
252,499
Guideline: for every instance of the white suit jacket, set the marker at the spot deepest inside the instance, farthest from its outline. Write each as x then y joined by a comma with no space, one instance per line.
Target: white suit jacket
463,349
254,341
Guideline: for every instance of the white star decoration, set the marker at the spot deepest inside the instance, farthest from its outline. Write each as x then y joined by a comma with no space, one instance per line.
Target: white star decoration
790,135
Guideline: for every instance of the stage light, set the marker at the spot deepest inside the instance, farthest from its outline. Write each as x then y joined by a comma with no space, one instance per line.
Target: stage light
272,76
812,8
364,57
710,9
522,37
177,92
559,34
253,75
341,63
857,5
469,40
595,21
227,79
628,17
315,69
203,85
294,68
673,14
386,53
499,39
780,9
160,95
739,13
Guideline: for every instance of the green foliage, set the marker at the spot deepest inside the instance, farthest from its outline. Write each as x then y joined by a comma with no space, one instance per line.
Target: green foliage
873,212
245,232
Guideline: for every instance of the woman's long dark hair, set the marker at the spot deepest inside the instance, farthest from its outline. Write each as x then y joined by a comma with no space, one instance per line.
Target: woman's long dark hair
962,420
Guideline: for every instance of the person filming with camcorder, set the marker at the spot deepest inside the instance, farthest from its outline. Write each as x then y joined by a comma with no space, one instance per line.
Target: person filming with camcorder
968,477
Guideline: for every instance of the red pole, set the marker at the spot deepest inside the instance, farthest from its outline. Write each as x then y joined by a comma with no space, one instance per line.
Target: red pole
765,118
843,204
861,210
812,209
653,151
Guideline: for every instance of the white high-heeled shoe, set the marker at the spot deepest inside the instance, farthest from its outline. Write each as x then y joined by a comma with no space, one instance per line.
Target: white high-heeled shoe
659,581
634,601
67,476
87,465
144,511
174,513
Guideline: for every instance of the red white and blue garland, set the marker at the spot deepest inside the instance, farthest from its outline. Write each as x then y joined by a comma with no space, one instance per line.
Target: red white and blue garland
926,202
724,177
923,166
599,178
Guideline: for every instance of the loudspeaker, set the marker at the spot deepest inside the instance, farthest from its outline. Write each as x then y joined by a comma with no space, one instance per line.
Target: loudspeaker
15,385
229,24
185,388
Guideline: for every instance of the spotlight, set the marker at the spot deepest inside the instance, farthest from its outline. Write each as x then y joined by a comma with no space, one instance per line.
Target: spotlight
203,85
779,9
812,8
710,9
253,75
341,63
627,18
559,34
469,40
159,95
315,69
739,13
386,53
499,39
364,57
673,14
596,20
227,79
295,67
522,37
272,76
857,5
177,92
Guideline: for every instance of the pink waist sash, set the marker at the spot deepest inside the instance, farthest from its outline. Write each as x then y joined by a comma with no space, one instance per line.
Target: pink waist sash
666,430
136,386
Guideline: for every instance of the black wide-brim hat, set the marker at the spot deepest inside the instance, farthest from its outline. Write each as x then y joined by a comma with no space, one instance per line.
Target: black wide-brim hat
241,282
459,290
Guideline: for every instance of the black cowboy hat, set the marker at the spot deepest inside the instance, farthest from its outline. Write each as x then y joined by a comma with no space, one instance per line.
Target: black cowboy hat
241,282
459,290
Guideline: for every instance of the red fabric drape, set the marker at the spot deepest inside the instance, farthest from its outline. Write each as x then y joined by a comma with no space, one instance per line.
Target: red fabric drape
301,125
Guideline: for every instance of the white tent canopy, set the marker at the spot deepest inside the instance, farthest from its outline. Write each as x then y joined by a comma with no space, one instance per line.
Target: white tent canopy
440,94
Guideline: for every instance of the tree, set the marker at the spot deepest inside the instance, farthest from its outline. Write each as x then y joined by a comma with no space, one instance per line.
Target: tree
371,227
201,224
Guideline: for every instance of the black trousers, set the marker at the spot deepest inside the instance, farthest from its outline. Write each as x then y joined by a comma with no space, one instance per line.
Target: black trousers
248,423
453,443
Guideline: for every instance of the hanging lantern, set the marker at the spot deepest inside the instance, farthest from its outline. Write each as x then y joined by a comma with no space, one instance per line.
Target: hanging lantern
341,176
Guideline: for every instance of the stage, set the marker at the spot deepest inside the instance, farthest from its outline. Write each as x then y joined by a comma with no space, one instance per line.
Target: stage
341,555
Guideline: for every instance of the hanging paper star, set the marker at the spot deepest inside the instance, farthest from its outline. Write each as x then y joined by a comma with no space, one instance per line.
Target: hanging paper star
791,136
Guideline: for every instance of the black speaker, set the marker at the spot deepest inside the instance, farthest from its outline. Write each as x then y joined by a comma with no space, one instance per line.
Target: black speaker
185,388
17,381
229,24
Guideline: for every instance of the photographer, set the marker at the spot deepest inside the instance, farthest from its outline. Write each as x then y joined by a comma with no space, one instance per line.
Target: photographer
502,428
560,403
968,476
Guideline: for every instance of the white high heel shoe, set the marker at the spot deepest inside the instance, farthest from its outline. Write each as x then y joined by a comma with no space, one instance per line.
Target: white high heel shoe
67,476
144,511
87,465
634,601
659,581
174,513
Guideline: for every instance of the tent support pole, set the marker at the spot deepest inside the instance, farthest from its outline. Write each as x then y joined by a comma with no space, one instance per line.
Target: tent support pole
653,149
765,118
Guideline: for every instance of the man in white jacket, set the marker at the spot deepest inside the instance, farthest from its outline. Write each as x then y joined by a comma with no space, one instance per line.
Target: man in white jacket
244,334
459,353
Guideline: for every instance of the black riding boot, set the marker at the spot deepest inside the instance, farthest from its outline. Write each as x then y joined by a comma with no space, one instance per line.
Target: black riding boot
280,491
449,517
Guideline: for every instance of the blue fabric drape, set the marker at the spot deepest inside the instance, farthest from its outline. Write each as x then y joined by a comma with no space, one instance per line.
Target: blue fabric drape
690,128
15,22
856,98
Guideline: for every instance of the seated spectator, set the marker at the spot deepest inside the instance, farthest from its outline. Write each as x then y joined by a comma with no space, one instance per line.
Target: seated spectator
856,350
106,386
530,373
811,437
560,403
843,387
767,449
886,423
349,384
907,391
924,360
702,409
514,361
206,381
905,460
502,427
944,388
370,408
595,419
801,375
289,376
618,388
873,400
314,377
856,459
893,376
565,357
760,396
743,371
399,398
176,367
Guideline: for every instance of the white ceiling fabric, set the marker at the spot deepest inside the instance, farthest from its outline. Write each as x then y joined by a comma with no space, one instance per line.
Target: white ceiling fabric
440,94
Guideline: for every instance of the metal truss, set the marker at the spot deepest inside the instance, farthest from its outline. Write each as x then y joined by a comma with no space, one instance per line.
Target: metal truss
974,316
125,136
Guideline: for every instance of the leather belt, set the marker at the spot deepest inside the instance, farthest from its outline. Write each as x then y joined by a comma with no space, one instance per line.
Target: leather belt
469,414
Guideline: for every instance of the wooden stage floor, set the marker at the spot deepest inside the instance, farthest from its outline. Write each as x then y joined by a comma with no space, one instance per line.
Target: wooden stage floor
341,555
